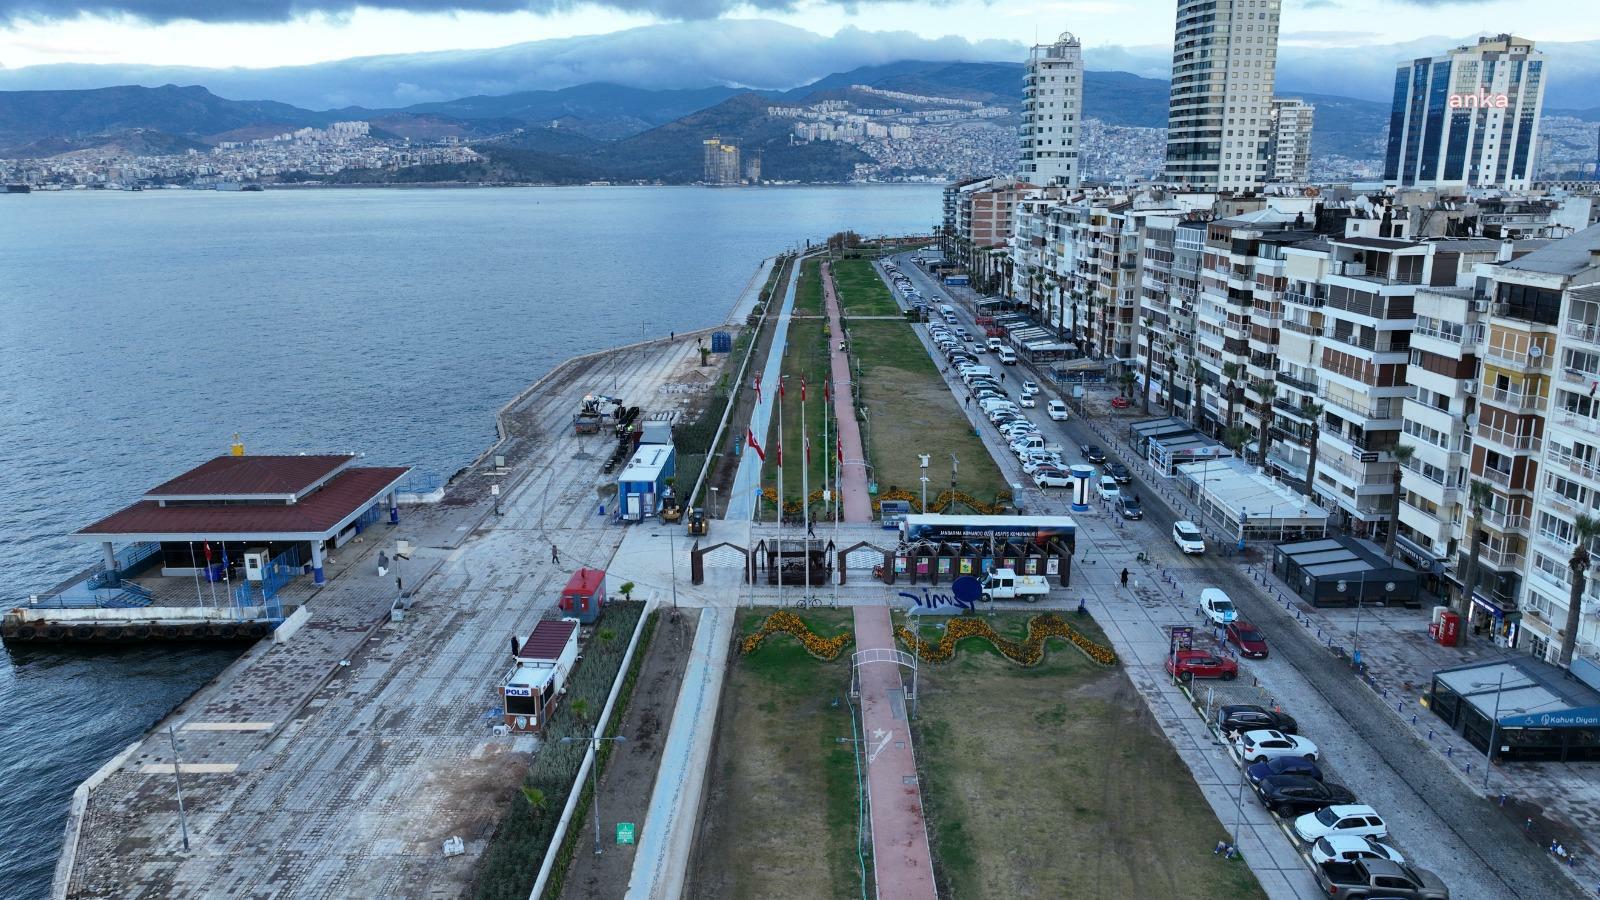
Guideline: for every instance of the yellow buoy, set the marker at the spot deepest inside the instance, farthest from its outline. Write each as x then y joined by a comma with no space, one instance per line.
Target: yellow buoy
237,447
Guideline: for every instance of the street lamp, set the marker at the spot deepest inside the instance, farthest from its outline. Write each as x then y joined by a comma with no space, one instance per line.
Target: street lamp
713,510
594,777
1361,592
922,460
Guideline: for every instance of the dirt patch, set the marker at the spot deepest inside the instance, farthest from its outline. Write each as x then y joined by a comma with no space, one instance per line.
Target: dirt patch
472,796
630,775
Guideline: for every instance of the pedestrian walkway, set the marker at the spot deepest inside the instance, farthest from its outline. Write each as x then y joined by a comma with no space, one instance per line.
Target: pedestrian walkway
747,480
901,860
663,857
853,471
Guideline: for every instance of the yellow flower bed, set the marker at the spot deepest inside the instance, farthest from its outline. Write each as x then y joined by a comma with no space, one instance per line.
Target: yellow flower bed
790,506
785,621
947,499
1028,653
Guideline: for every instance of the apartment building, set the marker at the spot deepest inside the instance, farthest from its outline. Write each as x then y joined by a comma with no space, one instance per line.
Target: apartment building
1052,110
979,216
1224,56
1289,152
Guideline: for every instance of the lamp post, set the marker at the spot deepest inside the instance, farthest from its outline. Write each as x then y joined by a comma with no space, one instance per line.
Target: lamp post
922,462
177,776
713,511
594,777
1494,726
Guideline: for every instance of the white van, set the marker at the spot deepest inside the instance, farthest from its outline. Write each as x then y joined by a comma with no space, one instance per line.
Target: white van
1008,357
946,310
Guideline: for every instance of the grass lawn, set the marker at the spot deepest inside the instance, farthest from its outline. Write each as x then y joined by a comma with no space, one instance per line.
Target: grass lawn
911,411
781,811
808,293
1065,789
861,291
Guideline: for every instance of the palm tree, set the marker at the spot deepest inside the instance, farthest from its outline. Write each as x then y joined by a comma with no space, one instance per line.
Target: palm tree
1477,498
1149,360
1585,528
1229,371
1172,363
1235,437
1312,411
1267,392
1194,392
1402,454
535,797
1127,382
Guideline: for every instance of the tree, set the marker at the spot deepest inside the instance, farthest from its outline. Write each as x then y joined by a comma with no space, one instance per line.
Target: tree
626,590
1229,372
1236,437
1477,498
1194,392
1267,392
1127,382
1149,359
580,708
1313,411
535,798
1402,454
1585,528
1172,364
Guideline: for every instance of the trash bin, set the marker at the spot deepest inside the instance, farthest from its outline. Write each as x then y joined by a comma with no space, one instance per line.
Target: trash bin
1016,495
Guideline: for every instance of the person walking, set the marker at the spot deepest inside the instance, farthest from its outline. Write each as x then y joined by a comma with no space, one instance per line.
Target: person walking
1124,577
555,555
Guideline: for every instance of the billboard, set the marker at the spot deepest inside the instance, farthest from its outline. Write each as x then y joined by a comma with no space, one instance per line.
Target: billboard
955,529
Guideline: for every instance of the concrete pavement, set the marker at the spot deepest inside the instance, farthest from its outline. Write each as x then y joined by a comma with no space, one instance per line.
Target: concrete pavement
747,478
853,473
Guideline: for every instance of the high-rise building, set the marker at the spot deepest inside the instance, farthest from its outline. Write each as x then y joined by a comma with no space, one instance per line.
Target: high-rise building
1219,121
1289,153
1052,107
721,162
1469,118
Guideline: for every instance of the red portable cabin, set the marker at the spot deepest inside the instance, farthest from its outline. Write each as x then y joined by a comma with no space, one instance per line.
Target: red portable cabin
584,594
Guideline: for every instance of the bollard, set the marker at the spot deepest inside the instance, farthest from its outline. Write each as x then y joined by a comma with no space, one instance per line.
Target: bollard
1397,706
1430,734
1469,768
1528,825
1449,752
1502,799
1413,718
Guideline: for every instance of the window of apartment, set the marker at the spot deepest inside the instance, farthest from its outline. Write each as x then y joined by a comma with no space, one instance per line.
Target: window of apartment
1583,362
1569,489
1577,404
1556,528
1553,568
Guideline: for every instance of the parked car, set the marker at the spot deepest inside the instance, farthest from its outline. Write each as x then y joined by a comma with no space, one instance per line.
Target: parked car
1247,638
1294,795
1093,453
1380,878
1283,765
1033,464
1255,746
1129,507
1047,477
1349,848
1217,606
1119,472
1359,820
1188,537
1057,410
960,333
1187,665
1107,489
1254,718
1120,403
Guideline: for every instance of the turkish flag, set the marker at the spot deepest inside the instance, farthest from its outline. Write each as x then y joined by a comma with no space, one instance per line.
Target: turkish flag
750,438
780,451
808,451
839,443
802,389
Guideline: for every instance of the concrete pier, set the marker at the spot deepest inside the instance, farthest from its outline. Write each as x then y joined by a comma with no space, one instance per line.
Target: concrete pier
336,764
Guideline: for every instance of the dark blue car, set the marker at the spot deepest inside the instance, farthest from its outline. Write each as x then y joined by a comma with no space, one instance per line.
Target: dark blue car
1283,765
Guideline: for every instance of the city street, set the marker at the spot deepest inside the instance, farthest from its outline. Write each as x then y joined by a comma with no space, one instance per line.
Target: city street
1436,819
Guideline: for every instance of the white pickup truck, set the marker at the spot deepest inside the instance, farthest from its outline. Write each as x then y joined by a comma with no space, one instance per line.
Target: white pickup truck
1006,584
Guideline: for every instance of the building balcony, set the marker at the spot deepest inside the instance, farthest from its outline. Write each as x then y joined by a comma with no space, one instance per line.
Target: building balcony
1514,444
1583,331
1516,401
1502,558
1504,522
1501,478
1576,466
1570,419
1516,360
1300,299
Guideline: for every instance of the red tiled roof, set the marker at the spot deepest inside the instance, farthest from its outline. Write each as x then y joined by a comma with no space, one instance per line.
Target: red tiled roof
243,475
547,640
318,512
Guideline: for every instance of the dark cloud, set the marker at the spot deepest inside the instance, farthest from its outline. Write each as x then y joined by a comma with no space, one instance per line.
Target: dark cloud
162,11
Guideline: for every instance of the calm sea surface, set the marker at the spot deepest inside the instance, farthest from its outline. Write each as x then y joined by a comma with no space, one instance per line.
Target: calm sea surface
138,332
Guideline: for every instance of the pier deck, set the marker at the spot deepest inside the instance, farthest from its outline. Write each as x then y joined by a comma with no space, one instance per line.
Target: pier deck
304,777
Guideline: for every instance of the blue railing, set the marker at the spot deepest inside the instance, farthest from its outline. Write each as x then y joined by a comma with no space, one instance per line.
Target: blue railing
421,483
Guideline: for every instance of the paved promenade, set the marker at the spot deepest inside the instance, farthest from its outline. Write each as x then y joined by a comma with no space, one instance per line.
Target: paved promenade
853,475
307,778
747,479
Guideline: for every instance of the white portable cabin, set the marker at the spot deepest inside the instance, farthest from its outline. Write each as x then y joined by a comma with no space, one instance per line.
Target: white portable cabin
538,676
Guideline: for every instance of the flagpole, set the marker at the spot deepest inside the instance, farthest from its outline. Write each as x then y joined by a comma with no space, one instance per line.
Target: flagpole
779,401
194,566
805,482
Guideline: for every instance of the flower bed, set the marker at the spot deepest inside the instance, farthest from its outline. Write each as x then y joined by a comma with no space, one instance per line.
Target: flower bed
789,623
948,499
1027,653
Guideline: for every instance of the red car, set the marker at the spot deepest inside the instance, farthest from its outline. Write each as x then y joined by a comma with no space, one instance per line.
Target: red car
1247,638
1120,403
1202,664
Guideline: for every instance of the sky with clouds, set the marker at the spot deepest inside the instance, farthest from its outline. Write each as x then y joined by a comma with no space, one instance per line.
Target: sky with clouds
261,33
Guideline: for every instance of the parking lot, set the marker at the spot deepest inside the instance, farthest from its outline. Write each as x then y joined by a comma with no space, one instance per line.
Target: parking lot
1435,819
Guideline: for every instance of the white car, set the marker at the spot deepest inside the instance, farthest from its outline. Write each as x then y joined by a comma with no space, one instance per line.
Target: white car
1358,820
1218,606
1057,410
1350,847
1107,489
1256,746
1051,477
1037,461
1029,388
1027,401
1188,537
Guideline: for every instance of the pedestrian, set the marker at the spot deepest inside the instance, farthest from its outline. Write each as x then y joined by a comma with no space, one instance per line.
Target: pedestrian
969,399
399,586
1124,577
555,555
811,530
674,335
